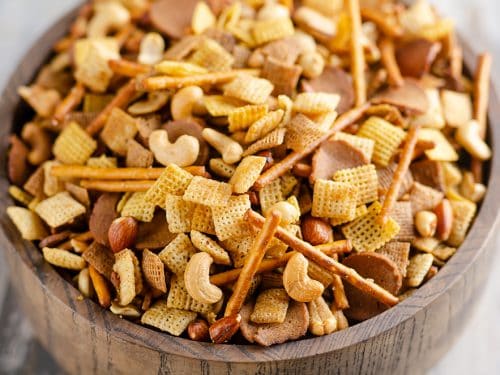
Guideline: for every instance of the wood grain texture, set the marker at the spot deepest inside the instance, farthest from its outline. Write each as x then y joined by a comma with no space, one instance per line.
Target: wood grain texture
85,339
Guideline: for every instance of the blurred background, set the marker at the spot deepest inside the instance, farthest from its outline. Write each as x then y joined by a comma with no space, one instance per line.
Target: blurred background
476,352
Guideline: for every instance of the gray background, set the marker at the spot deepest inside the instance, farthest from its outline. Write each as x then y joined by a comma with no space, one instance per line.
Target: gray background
477,351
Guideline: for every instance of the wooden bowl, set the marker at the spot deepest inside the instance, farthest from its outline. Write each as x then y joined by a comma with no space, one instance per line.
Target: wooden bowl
84,338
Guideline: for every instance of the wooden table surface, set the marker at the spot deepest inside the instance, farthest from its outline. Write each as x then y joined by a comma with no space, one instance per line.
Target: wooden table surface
477,351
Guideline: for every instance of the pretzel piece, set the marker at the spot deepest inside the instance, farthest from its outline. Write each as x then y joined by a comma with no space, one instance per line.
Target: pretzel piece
357,53
117,186
326,262
389,61
128,68
91,173
69,103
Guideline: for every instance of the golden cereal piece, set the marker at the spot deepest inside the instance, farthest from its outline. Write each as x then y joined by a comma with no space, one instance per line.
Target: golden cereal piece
154,270
208,245
220,105
228,220
443,150
270,194
443,252
334,199
241,118
463,214
426,244
59,210
74,145
138,208
288,182
179,298
364,178
249,89
273,139
321,319
208,192
212,56
365,145
264,126
387,139
27,223
202,220
419,265
20,195
301,132
174,180
314,103
179,68
325,120
271,306
247,173
124,267
238,248
64,259
360,211
118,130
367,234
221,168
177,253
179,214
173,321
273,29
102,161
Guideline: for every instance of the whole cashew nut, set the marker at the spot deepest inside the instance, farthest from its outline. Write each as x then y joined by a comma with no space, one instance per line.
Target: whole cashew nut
151,49
197,279
39,142
108,16
289,213
230,150
183,152
312,64
185,102
297,283
468,137
155,101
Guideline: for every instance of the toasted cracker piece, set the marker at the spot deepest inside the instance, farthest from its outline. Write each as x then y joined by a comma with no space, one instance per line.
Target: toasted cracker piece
228,220
220,105
387,139
433,118
334,155
463,214
271,307
250,89
266,31
366,234
416,271
101,258
103,214
64,259
221,168
59,209
212,56
382,271
402,213
270,194
301,133
27,222
247,173
264,126
271,140
442,150
430,173
364,178
424,198
179,298
155,234
386,175
124,267
173,180
321,319
179,214
138,208
208,192
283,76
241,118
314,103
202,220
364,145
73,145
138,156
173,321
208,245
334,199
409,97
118,130
154,270
177,253
398,252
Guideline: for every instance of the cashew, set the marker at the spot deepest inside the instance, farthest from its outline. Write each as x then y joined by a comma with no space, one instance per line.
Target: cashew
155,101
151,49
197,279
289,213
426,223
273,11
470,189
468,136
108,16
84,284
130,311
304,41
312,64
230,150
183,152
185,102
321,319
315,21
39,141
297,283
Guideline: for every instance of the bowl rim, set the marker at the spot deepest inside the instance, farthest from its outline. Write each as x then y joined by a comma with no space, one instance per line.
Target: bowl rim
481,231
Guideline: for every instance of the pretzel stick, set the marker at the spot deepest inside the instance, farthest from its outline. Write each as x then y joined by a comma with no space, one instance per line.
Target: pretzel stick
455,54
382,21
85,172
252,263
117,186
128,68
330,264
342,246
302,170
101,287
389,61
70,102
339,297
279,169
357,53
166,82
398,178
122,98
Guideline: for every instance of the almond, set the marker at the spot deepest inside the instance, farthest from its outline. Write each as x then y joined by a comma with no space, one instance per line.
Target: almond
198,330
444,213
316,231
223,329
122,233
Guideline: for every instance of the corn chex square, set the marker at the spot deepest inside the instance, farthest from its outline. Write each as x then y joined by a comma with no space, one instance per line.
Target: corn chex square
241,118
208,192
211,247
271,306
264,125
266,31
64,259
179,214
221,168
228,220
387,139
27,223
220,105
102,161
174,180
301,132
177,253
59,209
270,194
288,183
364,178
273,139
463,214
314,103
212,56
416,271
360,211
137,207
246,173
74,145
367,234
334,199
249,89
202,220
179,298
173,321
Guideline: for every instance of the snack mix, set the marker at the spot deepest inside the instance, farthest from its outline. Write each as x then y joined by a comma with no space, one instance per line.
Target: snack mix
251,171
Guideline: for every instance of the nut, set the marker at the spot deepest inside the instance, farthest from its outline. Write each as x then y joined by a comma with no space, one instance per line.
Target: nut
312,64
129,311
122,233
198,330
185,101
297,283
321,319
289,213
84,284
154,102
444,214
316,231
230,150
39,141
183,152
223,329
197,279
17,167
468,137
426,223
151,49
108,16
470,189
